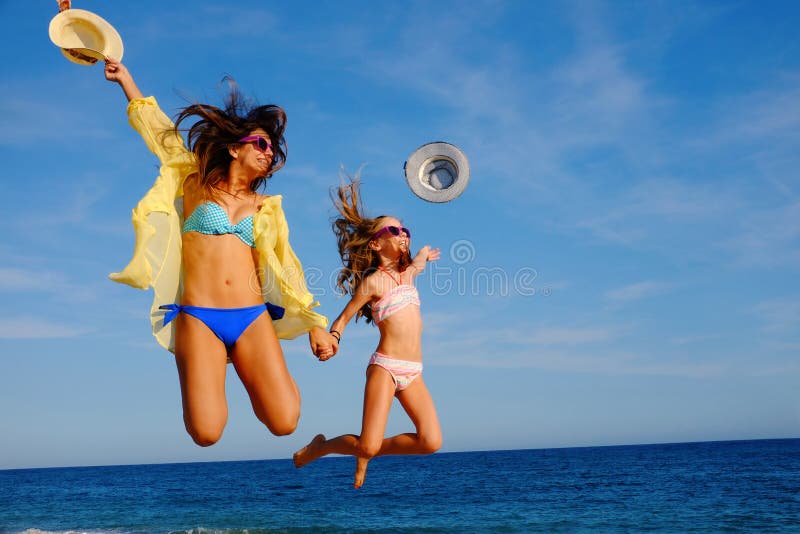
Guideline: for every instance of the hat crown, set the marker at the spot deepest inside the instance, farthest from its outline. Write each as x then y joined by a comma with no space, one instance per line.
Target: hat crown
85,37
78,34
437,172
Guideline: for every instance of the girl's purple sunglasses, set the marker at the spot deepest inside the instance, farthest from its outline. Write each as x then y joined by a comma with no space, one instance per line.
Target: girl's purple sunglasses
262,143
394,230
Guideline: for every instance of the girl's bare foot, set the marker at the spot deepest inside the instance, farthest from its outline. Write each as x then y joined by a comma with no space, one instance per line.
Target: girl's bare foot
310,452
361,472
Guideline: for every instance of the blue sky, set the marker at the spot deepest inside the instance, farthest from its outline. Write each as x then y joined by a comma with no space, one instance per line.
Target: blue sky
623,267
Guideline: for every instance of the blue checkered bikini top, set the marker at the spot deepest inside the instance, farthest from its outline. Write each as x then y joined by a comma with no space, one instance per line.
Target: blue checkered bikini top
210,218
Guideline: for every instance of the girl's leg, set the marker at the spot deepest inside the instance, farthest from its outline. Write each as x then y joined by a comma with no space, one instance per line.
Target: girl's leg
258,360
201,359
418,404
378,395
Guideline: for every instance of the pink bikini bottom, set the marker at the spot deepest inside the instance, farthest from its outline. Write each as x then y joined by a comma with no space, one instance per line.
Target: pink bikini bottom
403,371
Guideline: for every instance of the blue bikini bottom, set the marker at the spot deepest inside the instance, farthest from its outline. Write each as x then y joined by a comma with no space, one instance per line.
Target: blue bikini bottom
226,323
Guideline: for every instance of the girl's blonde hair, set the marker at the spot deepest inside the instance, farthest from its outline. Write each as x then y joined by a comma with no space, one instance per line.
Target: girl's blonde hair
354,232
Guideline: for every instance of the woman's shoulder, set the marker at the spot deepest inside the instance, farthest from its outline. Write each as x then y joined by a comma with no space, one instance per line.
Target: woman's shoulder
267,203
269,211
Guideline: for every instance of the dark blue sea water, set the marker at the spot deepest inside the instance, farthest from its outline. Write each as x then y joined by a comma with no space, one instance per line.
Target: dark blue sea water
710,487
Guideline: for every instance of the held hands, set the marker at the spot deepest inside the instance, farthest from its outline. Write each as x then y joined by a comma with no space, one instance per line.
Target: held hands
323,344
327,354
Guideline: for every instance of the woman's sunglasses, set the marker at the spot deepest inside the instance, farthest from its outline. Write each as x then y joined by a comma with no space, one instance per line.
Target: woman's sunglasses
261,142
394,230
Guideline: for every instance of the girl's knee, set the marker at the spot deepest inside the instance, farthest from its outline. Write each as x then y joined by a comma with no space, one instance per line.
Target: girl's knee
431,442
368,449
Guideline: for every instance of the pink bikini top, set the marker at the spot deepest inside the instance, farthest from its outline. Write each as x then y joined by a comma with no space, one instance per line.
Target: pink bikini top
394,301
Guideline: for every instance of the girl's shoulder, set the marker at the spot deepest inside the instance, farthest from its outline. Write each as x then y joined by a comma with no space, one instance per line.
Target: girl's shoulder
372,285
370,280
382,284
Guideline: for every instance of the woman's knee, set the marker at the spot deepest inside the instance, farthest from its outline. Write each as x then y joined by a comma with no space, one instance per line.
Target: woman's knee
205,433
282,428
281,424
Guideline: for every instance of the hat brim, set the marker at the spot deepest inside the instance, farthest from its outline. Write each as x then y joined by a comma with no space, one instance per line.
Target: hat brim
82,56
437,172
83,35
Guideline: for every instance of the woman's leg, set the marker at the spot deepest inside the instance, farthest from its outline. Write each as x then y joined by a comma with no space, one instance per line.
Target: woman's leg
259,362
378,395
201,359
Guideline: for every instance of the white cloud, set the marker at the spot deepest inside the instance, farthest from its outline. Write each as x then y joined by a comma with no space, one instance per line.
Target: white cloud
660,206
767,113
570,336
34,328
780,315
15,279
593,360
212,22
637,291
589,349
58,285
24,115
689,340
77,204
768,238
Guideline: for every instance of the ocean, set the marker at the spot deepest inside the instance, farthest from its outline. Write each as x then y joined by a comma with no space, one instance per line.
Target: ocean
747,486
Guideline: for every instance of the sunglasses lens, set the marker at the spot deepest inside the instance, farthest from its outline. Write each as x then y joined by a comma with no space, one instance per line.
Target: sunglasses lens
263,144
394,231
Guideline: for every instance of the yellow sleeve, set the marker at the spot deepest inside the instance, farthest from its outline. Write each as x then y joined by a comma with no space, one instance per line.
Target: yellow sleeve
157,130
156,219
282,279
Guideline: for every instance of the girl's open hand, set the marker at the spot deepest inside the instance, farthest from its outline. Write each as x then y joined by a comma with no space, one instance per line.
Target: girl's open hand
430,254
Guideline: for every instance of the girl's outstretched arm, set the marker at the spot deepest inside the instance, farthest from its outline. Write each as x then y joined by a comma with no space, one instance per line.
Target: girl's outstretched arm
362,295
117,72
424,255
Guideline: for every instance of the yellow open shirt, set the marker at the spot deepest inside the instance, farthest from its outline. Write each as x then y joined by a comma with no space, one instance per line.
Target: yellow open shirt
157,222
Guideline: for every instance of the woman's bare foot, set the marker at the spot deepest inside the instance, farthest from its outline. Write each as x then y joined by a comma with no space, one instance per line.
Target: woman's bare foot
310,452
361,472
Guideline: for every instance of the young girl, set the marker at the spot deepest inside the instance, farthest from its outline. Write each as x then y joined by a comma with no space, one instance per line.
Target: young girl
379,275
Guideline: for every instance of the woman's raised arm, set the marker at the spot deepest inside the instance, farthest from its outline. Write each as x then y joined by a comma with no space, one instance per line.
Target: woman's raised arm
117,72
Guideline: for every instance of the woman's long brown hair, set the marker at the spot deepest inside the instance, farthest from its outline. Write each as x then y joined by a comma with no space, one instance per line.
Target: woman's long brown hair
216,129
